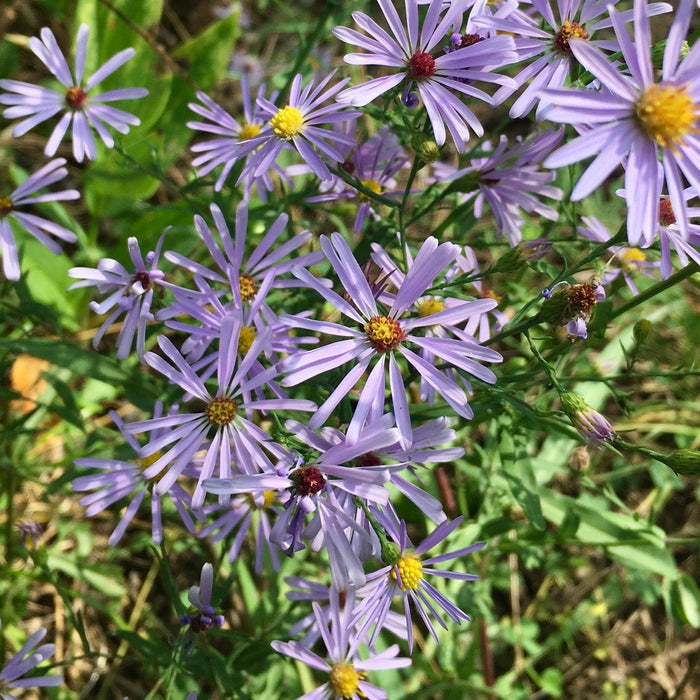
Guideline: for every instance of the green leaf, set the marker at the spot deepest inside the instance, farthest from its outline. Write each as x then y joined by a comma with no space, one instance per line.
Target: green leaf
646,548
528,500
685,599
208,54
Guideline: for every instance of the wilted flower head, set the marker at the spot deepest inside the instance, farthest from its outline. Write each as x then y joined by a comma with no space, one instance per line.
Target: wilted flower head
80,108
572,305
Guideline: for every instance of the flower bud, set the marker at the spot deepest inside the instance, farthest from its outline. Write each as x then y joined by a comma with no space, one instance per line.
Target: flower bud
425,147
685,462
592,425
641,330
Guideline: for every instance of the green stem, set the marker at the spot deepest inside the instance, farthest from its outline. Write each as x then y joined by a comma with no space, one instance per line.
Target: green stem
686,272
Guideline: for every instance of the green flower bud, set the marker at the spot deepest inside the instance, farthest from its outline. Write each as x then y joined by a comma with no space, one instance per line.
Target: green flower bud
391,552
685,462
641,330
425,147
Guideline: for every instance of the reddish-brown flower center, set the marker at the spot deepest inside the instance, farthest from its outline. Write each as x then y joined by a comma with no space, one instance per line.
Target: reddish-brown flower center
308,481
421,65
76,98
348,166
468,40
569,30
368,459
666,215
143,277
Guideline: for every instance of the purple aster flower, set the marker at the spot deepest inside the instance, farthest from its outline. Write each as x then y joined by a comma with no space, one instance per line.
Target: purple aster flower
299,125
393,456
315,486
200,598
379,334
205,308
242,274
305,590
374,163
509,180
128,293
542,39
27,659
437,78
637,117
30,532
687,246
347,673
232,138
37,226
631,261
219,427
80,108
246,512
405,576
118,479
593,426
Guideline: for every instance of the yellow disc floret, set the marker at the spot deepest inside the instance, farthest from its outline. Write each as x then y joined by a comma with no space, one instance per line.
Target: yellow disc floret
248,131
146,462
384,333
269,497
428,307
288,122
345,680
372,185
410,571
246,284
668,114
5,206
245,339
221,410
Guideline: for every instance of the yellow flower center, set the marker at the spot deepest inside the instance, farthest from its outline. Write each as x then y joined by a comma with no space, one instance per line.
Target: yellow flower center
569,30
632,255
667,114
269,498
246,284
428,307
146,462
221,410
372,185
288,122
245,339
248,131
410,571
384,333
5,206
345,680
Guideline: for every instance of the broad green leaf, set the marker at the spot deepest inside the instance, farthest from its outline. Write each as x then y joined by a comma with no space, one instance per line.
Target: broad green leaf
646,549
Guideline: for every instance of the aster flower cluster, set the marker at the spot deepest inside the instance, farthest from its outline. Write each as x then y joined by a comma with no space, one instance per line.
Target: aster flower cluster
309,371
